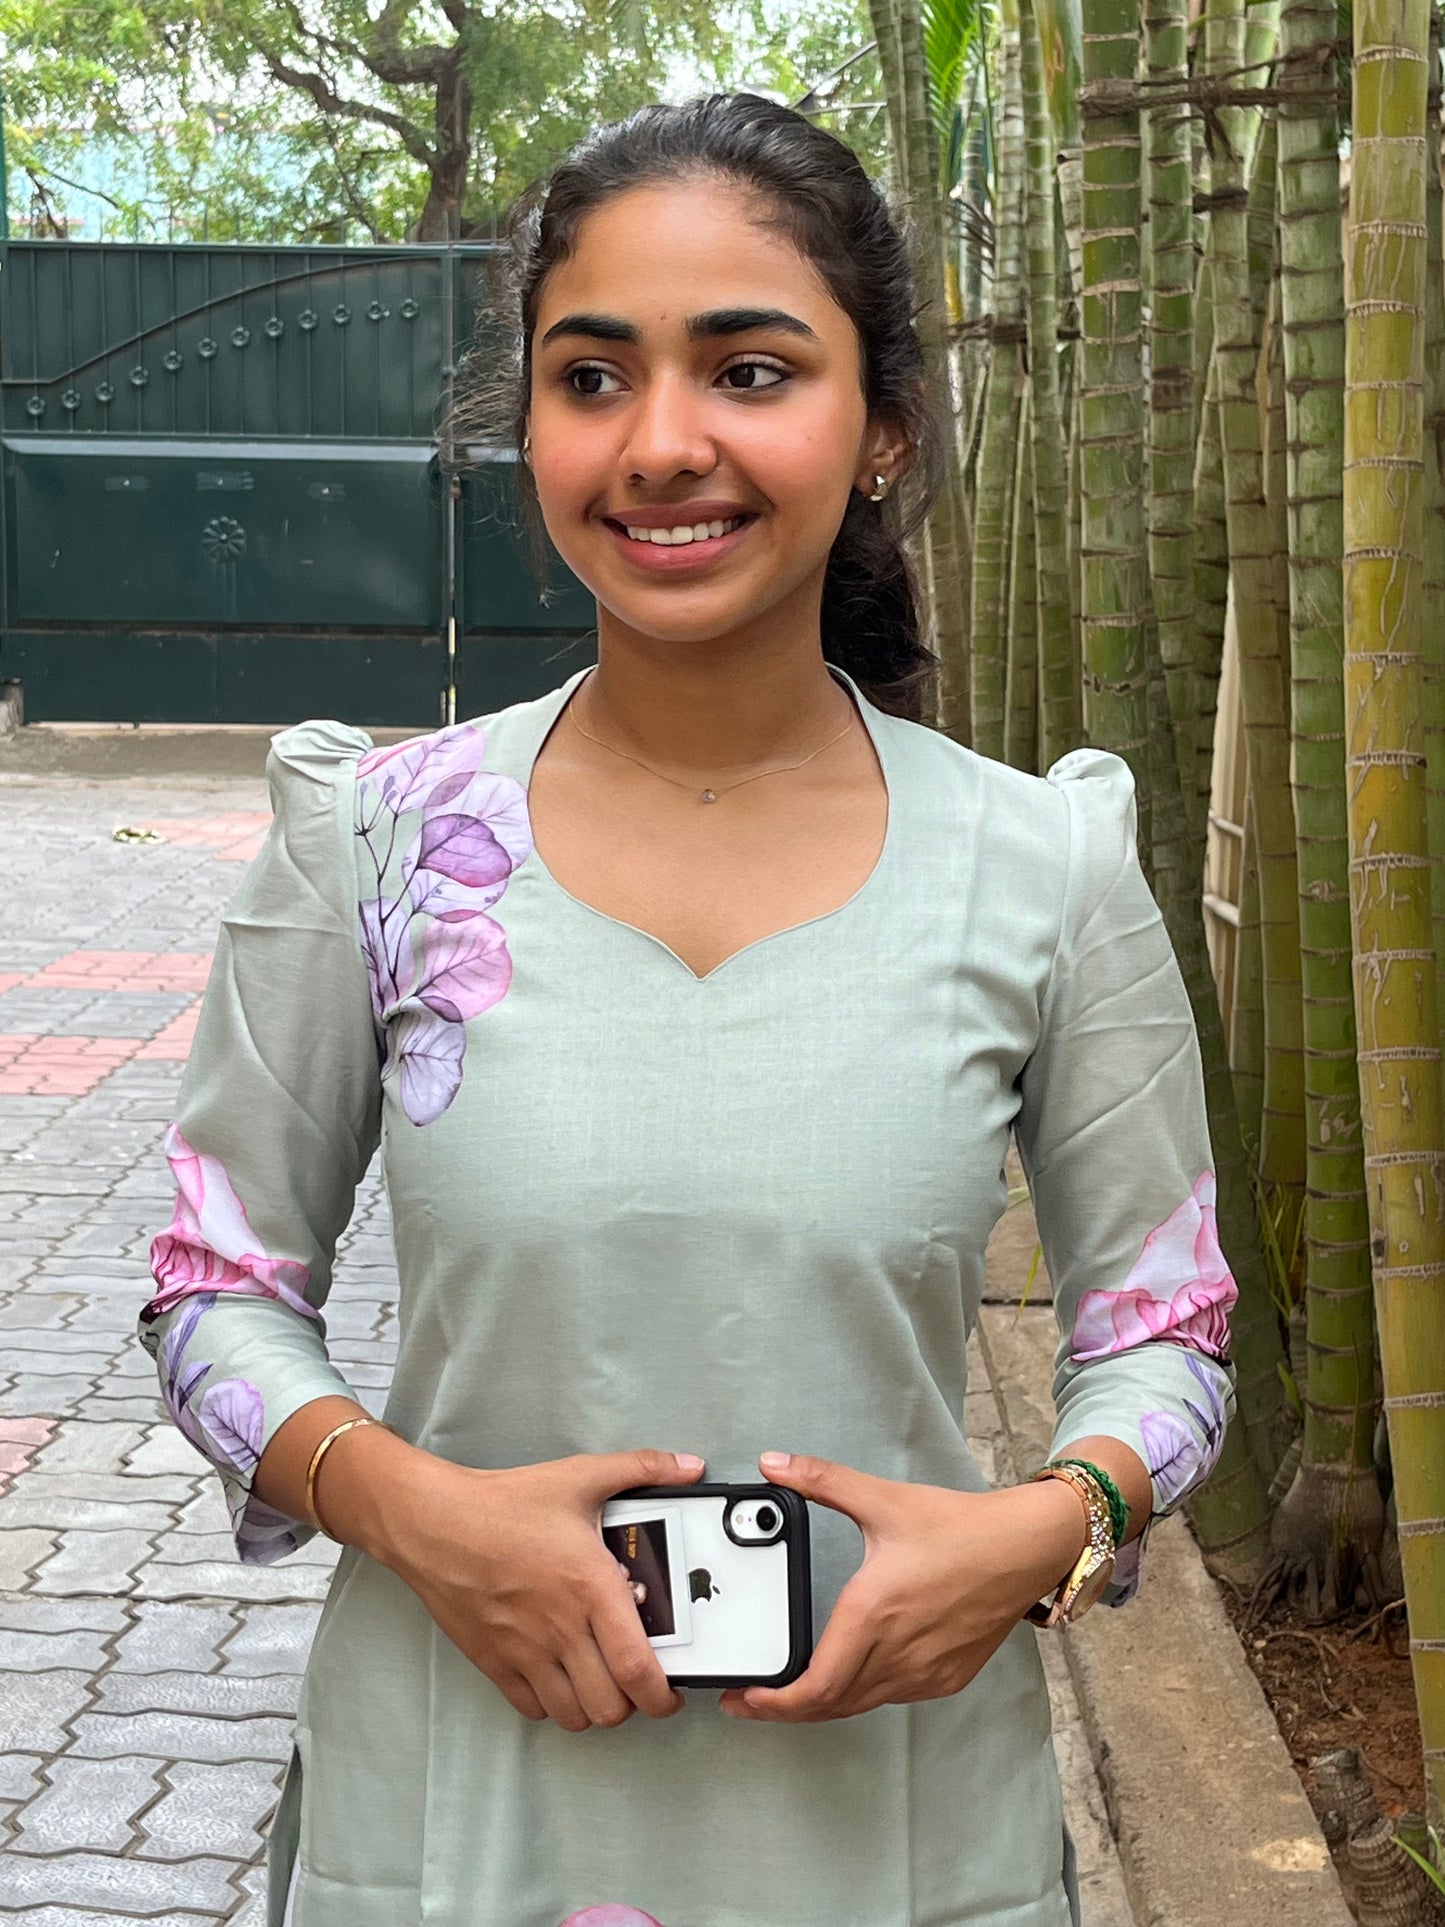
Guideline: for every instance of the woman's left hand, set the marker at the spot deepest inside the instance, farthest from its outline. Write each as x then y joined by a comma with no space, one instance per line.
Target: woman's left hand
945,1578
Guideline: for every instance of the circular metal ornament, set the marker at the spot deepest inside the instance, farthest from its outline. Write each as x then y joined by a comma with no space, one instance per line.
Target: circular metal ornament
105,393
376,312
172,360
240,337
70,400
307,319
274,328
410,309
207,348
223,540
140,377
35,407
341,314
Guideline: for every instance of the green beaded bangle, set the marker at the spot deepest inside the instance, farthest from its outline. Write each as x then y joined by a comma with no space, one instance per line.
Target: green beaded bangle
1118,1510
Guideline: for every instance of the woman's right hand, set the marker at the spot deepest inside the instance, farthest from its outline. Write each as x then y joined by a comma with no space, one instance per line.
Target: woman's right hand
512,1567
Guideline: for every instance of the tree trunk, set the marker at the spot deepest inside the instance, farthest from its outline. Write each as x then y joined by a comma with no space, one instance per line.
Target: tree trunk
1330,1523
1061,722
1211,577
1435,519
1394,982
1116,600
1021,731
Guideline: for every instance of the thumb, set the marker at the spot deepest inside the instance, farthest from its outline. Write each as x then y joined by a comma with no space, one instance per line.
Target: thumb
611,1472
837,1486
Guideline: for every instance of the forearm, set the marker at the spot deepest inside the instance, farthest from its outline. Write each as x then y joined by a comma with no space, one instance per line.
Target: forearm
362,1485
1126,1469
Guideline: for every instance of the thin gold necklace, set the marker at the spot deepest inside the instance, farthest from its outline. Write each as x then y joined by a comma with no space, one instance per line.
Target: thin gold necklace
707,795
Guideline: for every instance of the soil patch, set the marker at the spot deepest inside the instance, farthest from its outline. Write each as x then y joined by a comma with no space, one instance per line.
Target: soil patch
1344,1684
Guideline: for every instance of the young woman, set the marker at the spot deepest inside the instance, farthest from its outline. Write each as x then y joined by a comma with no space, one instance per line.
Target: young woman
692,1005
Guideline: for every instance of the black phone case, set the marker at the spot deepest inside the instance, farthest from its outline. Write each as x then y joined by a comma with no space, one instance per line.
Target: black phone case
800,1573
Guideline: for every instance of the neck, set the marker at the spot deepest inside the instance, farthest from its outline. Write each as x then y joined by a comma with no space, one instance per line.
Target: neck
715,704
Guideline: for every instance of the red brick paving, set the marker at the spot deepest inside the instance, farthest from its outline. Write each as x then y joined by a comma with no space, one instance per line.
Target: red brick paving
122,970
20,1440
174,1042
235,835
35,1066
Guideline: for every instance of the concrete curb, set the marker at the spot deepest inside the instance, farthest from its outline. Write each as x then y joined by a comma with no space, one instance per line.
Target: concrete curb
1211,1821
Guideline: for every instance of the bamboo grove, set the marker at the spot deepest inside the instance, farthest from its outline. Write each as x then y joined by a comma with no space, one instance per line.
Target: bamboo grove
1189,255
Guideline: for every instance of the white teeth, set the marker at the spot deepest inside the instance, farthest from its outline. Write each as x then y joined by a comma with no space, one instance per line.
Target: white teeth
678,537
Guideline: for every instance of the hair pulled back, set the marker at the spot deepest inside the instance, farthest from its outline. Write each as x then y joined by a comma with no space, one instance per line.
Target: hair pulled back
812,188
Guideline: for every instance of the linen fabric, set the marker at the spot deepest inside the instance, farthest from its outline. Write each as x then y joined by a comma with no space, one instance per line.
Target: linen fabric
719,1214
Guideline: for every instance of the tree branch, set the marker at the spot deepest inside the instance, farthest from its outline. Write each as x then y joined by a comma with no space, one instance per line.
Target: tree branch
330,102
403,66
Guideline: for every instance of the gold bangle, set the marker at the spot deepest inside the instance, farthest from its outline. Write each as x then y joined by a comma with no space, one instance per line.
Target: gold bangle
346,1425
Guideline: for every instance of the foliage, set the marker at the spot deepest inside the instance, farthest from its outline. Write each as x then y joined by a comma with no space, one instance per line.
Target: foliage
274,119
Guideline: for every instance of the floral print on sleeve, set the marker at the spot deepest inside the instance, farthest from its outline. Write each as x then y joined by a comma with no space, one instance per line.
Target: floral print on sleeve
434,957
225,1419
610,1914
209,1245
1179,1289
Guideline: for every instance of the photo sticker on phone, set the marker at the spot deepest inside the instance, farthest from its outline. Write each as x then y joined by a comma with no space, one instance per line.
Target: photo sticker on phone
649,1551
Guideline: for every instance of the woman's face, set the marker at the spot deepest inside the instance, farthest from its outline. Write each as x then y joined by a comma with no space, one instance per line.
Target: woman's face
691,372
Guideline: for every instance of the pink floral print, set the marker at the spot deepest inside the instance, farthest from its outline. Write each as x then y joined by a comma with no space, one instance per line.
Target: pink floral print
1181,1456
433,955
1179,1289
610,1914
209,1245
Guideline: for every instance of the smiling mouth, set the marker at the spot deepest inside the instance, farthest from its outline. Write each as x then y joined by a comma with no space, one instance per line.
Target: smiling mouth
683,534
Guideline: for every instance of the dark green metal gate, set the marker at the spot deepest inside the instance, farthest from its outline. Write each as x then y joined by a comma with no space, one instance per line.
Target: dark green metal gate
223,498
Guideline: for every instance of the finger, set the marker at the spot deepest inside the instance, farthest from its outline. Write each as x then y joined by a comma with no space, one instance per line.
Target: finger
630,1660
559,1699
519,1694
598,1694
866,1500
606,1473
817,1694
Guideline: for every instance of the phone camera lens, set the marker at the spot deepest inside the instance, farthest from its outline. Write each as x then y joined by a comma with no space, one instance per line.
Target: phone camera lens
768,1520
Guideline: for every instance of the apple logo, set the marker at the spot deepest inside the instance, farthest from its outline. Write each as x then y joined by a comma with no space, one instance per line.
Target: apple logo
700,1584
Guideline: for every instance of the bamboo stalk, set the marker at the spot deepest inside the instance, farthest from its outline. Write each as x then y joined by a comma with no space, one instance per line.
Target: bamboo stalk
1395,965
1021,696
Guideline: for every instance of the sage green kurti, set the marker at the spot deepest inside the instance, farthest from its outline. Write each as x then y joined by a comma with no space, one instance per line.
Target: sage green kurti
633,1206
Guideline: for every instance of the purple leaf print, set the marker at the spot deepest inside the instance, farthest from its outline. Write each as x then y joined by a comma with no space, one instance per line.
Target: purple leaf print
232,1421
610,1913
1179,1454
464,849
430,1051
434,957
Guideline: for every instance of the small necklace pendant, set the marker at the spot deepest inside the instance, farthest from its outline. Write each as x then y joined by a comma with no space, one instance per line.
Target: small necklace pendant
709,796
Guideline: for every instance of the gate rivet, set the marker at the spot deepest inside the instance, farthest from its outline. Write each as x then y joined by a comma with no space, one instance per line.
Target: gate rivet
275,328
139,377
240,337
35,406
307,319
172,360
71,399
206,348
105,392
341,314
376,312
410,309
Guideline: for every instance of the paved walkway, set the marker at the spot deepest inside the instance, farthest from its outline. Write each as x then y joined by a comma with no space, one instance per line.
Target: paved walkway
147,1680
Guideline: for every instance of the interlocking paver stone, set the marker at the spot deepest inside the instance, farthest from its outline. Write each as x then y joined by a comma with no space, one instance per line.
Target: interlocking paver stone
169,1736
35,1709
211,1810
94,1562
229,1696
88,1806
127,1886
19,1775
44,1652
271,1639
170,1637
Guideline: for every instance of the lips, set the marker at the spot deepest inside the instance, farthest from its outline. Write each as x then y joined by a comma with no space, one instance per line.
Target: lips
671,547
681,533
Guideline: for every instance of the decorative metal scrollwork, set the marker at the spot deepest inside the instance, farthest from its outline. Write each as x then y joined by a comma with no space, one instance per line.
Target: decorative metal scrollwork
207,348
172,360
240,337
410,308
307,319
274,328
223,540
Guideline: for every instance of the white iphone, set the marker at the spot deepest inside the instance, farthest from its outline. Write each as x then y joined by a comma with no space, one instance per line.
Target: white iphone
721,1576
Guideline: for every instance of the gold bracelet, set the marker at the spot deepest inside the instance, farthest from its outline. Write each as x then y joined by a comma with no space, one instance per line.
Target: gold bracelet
346,1425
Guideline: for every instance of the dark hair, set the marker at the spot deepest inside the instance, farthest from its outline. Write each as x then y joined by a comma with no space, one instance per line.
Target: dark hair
838,219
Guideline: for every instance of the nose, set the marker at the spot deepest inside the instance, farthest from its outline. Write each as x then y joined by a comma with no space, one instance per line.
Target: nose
667,432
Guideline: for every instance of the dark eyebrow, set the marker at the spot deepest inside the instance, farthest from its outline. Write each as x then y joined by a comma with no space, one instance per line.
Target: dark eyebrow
702,327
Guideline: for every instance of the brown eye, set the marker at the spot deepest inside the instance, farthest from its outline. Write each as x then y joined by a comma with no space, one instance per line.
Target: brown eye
752,377
588,380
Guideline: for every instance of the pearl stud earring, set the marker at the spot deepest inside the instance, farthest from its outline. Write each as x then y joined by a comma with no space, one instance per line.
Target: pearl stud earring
881,486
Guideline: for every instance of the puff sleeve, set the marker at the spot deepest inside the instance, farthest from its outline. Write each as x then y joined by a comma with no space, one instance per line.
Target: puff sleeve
1113,1136
278,1118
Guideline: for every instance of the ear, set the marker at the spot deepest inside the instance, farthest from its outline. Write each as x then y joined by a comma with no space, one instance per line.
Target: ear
885,452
